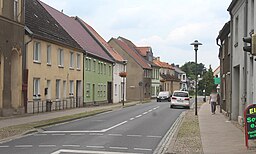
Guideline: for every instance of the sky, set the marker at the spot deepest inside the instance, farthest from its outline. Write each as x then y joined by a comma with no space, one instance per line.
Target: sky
167,26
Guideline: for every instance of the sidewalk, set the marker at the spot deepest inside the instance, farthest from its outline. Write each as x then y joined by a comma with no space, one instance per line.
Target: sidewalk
55,114
219,135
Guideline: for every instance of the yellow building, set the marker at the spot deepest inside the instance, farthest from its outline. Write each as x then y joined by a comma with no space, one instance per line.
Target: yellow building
54,63
11,50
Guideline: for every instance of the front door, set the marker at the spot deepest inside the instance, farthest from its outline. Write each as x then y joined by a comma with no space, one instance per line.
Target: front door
109,92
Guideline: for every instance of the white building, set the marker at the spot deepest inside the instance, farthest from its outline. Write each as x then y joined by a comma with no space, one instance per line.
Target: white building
242,63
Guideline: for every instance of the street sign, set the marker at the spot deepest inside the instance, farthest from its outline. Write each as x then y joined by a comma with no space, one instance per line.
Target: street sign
250,123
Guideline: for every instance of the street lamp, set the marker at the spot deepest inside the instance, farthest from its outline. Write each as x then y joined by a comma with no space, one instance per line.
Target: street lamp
124,63
196,44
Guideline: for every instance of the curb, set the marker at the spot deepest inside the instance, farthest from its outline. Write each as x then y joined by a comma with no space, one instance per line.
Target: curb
165,142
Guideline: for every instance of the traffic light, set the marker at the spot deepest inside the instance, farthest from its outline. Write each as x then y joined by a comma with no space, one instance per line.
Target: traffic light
252,47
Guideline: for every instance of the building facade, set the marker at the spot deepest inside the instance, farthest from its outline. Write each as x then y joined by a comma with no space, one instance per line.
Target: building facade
11,51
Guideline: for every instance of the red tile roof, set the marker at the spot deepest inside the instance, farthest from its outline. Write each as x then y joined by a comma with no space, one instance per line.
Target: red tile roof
143,50
111,51
136,56
78,33
163,64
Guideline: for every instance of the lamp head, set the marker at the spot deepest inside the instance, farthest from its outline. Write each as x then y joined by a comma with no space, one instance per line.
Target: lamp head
196,44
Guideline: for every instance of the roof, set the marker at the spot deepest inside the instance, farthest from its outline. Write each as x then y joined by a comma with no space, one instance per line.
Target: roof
93,32
44,26
224,31
163,64
168,77
136,56
231,6
143,50
78,33
178,70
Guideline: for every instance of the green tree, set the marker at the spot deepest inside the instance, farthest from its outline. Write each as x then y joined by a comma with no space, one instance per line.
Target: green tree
190,69
207,82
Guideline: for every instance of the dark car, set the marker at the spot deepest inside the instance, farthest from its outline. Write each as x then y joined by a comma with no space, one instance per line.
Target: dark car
163,96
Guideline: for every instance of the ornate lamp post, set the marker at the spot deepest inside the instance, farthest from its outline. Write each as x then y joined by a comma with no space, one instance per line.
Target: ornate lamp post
196,44
123,75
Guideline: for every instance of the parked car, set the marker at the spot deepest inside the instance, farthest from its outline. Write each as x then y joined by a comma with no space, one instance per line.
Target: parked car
163,96
180,98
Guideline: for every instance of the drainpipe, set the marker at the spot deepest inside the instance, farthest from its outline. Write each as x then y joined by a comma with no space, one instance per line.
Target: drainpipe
231,64
221,73
245,56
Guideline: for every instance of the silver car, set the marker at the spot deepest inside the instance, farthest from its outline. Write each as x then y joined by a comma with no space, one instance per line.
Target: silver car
180,98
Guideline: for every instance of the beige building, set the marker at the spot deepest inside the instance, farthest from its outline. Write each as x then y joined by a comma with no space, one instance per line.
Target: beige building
11,50
54,65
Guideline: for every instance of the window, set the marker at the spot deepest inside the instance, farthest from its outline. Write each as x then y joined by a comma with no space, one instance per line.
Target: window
105,89
48,92
236,31
60,58
64,89
71,64
88,87
94,65
57,89
105,68
109,70
78,61
99,67
49,60
71,88
89,64
115,89
36,88
98,90
1,6
37,52
183,77
16,10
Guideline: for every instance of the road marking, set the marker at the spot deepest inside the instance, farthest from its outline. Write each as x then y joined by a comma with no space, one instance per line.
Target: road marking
134,135
87,131
115,134
23,146
61,151
96,134
149,110
142,149
95,147
46,146
57,134
154,136
119,148
145,113
71,145
40,134
4,146
138,116
131,118
79,134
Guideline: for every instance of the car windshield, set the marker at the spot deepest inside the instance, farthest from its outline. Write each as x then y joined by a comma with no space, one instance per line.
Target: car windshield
163,94
180,94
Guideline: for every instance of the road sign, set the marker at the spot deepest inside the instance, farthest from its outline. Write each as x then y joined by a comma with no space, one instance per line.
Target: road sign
250,123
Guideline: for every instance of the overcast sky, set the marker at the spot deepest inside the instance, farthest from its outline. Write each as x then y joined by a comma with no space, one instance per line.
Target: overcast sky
168,26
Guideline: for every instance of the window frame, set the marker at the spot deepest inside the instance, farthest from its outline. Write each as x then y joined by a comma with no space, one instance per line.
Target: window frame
37,52
36,88
60,58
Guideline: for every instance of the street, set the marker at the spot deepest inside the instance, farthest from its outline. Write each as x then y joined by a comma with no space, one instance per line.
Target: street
136,129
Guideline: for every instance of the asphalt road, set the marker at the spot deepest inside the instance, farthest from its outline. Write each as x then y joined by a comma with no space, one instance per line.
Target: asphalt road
136,129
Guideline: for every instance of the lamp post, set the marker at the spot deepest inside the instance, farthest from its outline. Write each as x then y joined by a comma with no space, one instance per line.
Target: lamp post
124,63
196,44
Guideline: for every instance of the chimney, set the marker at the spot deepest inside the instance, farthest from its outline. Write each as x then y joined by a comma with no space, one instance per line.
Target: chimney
158,58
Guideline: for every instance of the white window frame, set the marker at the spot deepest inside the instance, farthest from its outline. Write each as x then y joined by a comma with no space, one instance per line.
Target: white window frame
71,87
49,54
36,88
37,52
78,61
60,57
57,91
64,89
16,9
72,60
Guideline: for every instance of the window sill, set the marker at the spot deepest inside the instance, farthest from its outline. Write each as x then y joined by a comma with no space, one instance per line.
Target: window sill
60,66
48,64
71,68
78,69
37,62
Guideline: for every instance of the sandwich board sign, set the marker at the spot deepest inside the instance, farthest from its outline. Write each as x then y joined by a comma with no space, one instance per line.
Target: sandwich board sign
250,123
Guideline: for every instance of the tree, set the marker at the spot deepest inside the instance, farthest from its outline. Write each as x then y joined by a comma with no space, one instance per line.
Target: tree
207,82
190,69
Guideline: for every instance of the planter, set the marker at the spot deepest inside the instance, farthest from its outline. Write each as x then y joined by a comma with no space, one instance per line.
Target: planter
123,74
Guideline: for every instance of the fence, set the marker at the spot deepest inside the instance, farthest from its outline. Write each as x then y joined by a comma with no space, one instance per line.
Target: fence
39,106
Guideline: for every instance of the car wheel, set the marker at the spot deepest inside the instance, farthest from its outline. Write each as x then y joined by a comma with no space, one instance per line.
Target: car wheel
171,106
188,107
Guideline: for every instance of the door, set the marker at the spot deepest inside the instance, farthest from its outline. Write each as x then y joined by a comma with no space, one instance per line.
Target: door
93,93
78,93
109,92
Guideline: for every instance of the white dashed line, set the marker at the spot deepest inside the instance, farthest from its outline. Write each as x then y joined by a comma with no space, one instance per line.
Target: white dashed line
23,146
134,135
131,118
4,146
81,134
145,113
71,146
115,134
96,134
58,134
40,134
138,116
96,147
154,136
149,110
46,146
119,148
142,149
